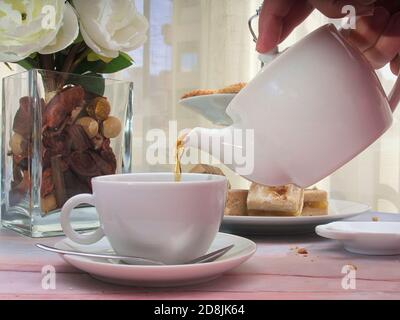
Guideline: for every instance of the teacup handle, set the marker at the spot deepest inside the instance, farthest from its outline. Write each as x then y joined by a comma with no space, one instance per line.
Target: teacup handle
66,222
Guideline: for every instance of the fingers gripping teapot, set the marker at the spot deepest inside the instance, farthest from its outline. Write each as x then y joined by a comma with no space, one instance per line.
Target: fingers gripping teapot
308,112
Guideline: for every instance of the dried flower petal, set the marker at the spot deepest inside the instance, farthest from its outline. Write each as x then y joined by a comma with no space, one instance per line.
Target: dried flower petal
23,118
104,166
55,143
58,179
47,185
61,105
98,141
75,184
78,138
82,164
48,203
109,156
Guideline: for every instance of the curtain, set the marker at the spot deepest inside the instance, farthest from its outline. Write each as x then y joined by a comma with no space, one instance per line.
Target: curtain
192,44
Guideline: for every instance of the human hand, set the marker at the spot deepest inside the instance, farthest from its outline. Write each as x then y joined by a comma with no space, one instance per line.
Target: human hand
377,32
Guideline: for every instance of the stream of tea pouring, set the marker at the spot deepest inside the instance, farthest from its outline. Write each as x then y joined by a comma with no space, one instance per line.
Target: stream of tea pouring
179,149
310,111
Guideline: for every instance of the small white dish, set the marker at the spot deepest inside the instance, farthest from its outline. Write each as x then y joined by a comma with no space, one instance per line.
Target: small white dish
159,276
365,237
211,106
256,225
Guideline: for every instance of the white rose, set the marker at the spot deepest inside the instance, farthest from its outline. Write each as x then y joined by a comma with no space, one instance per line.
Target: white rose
68,32
111,26
28,26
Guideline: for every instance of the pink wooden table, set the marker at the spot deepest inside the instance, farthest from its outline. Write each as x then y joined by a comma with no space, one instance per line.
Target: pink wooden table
276,271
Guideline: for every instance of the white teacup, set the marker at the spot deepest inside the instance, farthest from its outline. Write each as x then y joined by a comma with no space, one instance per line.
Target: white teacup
151,216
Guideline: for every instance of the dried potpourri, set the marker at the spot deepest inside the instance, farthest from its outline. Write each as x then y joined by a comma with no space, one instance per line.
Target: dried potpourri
74,147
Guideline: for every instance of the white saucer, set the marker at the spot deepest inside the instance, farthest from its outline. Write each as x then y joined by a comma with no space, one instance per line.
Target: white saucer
159,276
371,238
211,106
256,225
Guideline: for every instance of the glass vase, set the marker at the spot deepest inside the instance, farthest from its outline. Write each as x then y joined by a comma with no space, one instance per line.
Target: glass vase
59,130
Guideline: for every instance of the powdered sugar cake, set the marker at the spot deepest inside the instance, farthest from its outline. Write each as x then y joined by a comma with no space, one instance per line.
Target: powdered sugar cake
280,201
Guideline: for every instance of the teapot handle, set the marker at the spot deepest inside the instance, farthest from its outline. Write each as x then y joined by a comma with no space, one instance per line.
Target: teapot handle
394,96
265,58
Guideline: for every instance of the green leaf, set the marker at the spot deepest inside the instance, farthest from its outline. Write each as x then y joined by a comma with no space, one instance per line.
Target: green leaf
119,63
93,56
27,63
126,56
91,82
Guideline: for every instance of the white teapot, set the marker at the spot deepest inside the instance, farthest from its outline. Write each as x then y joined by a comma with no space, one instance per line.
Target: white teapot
311,110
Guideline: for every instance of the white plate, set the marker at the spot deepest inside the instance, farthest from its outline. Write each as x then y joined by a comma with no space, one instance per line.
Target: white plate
255,225
211,106
372,238
159,276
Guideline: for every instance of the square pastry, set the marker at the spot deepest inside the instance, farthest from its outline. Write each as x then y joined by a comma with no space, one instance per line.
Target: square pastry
276,201
236,202
315,202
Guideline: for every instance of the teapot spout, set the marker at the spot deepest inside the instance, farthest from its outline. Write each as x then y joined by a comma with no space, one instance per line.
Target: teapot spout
233,146
211,141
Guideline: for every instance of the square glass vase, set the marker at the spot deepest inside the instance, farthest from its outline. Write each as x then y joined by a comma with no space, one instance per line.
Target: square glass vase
59,130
